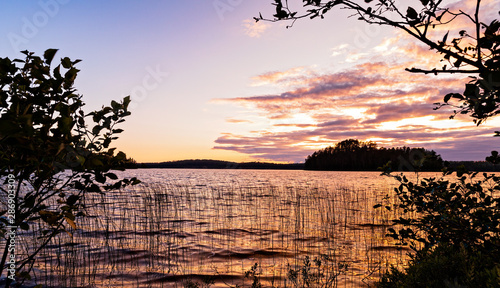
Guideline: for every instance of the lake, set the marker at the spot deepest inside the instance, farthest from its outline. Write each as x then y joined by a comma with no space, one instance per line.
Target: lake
183,227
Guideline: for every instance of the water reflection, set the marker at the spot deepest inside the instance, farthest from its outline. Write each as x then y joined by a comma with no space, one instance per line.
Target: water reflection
189,225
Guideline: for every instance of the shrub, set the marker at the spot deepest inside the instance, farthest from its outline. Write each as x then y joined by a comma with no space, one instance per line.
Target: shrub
454,228
43,132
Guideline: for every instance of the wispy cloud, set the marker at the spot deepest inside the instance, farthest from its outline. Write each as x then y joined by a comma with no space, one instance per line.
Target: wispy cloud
290,77
340,50
369,101
232,120
375,99
255,29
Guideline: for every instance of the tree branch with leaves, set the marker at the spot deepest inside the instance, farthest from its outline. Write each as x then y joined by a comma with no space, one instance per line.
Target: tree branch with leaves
49,148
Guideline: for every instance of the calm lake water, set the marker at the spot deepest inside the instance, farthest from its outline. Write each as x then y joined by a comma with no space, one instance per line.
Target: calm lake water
183,226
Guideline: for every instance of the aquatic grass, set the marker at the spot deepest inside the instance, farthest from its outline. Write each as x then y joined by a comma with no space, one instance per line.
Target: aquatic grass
167,234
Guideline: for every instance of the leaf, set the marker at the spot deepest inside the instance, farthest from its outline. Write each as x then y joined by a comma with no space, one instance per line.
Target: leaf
411,13
72,200
447,98
492,28
94,188
445,37
66,62
471,90
120,156
49,217
424,2
453,95
70,222
96,162
486,42
115,105
24,226
29,201
49,55
70,77
65,124
438,18
24,275
106,142
100,178
111,176
96,130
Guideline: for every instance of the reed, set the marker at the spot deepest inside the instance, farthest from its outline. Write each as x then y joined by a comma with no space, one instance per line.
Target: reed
180,233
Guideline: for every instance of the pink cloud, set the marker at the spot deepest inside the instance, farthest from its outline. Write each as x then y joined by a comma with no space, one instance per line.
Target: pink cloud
255,29
232,120
293,76
372,100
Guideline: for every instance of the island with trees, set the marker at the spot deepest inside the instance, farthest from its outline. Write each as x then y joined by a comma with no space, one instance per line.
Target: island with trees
355,155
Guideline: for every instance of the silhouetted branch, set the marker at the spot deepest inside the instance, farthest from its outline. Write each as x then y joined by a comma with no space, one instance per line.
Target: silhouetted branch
436,71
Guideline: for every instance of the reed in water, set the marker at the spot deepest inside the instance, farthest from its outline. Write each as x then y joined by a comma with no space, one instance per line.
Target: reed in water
181,233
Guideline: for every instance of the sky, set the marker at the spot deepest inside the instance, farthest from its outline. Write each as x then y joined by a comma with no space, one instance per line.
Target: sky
208,82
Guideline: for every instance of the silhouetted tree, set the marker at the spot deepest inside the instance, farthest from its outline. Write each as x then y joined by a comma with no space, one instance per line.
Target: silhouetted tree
493,159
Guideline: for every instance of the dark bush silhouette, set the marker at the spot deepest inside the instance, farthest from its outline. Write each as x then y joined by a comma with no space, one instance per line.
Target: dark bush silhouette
43,132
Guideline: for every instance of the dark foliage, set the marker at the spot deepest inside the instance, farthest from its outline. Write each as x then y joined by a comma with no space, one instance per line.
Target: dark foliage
446,266
462,212
453,224
44,132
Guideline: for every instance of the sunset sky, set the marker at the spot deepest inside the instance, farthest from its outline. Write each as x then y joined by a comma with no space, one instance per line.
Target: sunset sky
207,82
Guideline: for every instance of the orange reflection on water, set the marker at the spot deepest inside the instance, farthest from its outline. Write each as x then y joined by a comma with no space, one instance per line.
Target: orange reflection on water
189,225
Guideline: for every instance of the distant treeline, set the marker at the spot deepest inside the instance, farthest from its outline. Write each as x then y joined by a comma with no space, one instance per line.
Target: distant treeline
478,166
347,155
217,164
355,155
